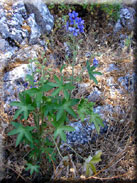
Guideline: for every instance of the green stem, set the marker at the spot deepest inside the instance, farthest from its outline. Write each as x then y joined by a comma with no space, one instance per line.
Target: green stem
74,47
57,147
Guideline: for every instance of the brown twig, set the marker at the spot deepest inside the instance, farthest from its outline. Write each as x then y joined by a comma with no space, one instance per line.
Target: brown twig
15,172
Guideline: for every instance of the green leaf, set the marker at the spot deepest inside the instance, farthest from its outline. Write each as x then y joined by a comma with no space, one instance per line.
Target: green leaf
71,112
85,108
93,78
66,94
66,105
56,92
13,132
89,164
62,67
32,168
18,104
53,84
46,87
60,132
19,139
23,132
92,167
30,79
91,73
25,106
37,93
68,86
97,157
95,118
57,79
59,114
97,73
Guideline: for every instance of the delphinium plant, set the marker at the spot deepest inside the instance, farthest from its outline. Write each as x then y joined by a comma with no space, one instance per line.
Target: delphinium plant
51,112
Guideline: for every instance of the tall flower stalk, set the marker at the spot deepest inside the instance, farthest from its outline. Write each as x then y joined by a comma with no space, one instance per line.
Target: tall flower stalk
74,26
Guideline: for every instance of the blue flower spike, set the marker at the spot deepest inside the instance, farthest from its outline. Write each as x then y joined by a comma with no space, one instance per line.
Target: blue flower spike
95,62
75,25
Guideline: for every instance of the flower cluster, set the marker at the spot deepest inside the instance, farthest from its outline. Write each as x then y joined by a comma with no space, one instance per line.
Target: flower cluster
75,25
95,62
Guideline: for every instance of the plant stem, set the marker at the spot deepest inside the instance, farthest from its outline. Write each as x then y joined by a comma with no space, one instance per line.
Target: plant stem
57,147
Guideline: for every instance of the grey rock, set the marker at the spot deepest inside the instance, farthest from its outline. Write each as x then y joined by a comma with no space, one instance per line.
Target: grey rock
11,28
83,85
3,45
2,13
117,26
16,34
18,73
35,30
13,83
126,19
4,29
127,82
112,67
14,28
23,27
82,133
42,15
95,96
122,38
110,81
101,110
19,8
27,53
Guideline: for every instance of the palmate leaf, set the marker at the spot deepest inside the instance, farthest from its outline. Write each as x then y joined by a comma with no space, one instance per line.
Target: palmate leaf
37,93
25,106
24,110
23,132
60,86
95,118
32,168
60,132
66,106
91,72
84,108
93,78
49,105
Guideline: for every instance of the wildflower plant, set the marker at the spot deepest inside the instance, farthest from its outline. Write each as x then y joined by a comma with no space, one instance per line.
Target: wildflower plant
51,112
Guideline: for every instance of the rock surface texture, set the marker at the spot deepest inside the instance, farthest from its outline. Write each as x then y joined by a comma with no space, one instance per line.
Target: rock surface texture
42,15
126,19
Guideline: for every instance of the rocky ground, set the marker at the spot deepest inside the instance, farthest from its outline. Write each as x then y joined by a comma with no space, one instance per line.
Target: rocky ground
111,43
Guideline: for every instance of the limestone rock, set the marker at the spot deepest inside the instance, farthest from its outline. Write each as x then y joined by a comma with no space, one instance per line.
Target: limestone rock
126,19
95,96
42,15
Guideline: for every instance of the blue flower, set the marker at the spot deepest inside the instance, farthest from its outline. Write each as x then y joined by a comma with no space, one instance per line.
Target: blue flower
75,25
95,62
25,85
